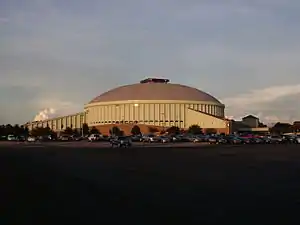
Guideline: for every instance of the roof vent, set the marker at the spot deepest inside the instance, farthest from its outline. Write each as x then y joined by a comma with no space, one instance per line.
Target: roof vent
154,80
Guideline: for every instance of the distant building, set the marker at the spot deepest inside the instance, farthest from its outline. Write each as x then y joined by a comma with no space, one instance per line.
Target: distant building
251,121
249,124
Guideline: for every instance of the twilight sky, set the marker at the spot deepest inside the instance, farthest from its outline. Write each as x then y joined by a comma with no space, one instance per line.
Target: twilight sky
60,54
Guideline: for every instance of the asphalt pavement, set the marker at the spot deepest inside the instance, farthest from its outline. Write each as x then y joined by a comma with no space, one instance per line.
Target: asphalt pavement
169,185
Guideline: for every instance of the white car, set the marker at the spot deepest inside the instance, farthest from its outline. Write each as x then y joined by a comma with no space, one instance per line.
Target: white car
297,140
94,137
164,139
31,139
11,138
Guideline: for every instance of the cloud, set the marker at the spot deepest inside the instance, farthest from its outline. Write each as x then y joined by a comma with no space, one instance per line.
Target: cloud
4,20
276,103
51,108
265,95
45,114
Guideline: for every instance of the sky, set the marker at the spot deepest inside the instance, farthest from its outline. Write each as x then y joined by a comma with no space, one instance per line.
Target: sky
60,54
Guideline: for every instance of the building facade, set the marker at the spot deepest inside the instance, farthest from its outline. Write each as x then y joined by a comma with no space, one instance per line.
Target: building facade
153,112
74,121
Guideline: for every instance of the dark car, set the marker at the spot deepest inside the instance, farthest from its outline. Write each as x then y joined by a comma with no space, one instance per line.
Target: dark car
222,140
76,138
21,138
266,140
235,140
65,138
136,138
122,141
289,139
256,141
276,139
44,138
217,140
213,140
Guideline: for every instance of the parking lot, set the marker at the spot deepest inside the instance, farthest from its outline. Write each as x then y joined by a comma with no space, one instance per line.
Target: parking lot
86,144
208,184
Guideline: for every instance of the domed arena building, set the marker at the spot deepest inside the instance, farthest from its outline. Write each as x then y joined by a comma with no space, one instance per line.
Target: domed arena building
152,102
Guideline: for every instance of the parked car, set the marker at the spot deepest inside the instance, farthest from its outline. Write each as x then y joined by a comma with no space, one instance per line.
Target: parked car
150,138
276,139
31,139
175,138
136,138
76,137
65,138
213,140
122,141
94,137
45,138
222,140
289,139
196,139
164,139
12,137
256,141
297,140
21,138
237,140
266,140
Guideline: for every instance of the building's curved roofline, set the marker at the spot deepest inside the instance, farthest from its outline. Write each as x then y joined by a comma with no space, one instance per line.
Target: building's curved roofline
154,91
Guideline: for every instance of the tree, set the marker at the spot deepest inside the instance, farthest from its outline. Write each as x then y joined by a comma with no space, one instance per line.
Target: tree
26,131
2,130
195,129
85,129
173,130
135,130
94,130
296,126
211,131
17,130
262,125
280,128
22,130
75,132
153,129
116,131
68,131
48,131
162,132
9,129
41,131
35,132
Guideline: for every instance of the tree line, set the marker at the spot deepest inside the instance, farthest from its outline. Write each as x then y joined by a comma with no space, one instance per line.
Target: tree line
17,130
280,128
